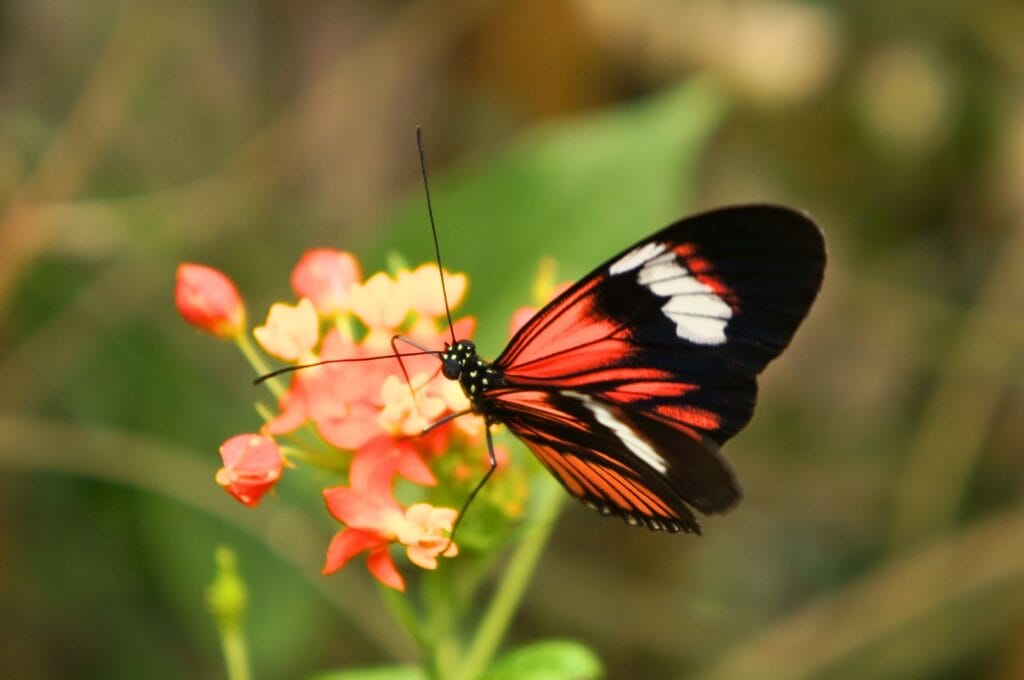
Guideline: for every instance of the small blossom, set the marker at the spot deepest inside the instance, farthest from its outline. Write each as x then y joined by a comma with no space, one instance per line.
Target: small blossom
208,299
326,276
252,465
425,534
290,332
381,304
373,520
422,287
405,414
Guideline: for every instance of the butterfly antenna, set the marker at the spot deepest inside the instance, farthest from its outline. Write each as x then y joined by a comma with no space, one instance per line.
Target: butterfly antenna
289,369
433,228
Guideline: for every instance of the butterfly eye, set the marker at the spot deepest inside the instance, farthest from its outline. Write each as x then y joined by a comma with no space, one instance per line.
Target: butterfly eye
451,368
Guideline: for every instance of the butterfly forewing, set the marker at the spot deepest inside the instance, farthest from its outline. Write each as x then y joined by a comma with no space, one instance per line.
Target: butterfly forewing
625,385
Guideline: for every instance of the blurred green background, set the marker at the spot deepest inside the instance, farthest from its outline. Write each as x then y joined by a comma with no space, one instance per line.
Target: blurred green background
882,532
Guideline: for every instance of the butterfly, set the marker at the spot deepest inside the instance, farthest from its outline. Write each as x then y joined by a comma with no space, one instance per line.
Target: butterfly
626,385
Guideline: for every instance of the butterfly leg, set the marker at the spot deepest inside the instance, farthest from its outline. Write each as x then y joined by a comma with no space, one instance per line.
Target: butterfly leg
394,348
441,421
493,465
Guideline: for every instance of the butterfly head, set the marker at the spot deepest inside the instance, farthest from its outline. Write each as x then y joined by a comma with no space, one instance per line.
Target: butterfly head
476,376
455,357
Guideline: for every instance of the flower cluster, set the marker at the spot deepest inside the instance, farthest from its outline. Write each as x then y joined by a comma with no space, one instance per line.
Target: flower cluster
371,407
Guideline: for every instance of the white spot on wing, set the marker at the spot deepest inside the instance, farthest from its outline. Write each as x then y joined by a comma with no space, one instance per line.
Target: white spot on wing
634,442
635,258
704,304
697,310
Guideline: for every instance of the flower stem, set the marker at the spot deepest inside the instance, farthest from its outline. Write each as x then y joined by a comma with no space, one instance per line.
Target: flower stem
227,598
333,462
403,612
444,649
513,585
255,360
236,656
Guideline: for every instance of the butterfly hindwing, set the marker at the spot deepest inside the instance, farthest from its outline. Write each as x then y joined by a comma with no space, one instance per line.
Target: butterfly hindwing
621,461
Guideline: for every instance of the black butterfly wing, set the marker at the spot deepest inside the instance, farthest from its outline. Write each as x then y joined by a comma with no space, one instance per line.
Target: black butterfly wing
662,344
682,322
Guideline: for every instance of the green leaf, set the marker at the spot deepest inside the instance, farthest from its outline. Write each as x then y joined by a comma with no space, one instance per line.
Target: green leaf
374,673
578,191
547,660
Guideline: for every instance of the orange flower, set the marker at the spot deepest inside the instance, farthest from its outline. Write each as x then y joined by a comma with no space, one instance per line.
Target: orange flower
351,403
208,300
363,406
374,520
402,413
326,276
252,465
290,332
381,305
422,287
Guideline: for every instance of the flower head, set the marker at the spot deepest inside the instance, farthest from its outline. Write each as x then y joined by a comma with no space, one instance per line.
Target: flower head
374,520
208,299
422,287
252,465
326,276
290,332
363,400
380,304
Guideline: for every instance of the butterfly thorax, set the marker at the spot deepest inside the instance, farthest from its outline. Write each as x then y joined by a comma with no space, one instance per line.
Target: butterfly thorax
476,376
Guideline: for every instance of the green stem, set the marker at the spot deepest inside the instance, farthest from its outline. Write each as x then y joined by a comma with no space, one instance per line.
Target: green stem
513,585
403,612
255,360
236,656
329,461
227,599
444,648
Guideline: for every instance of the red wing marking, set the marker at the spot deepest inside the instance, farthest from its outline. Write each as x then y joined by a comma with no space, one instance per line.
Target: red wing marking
634,391
690,415
703,270
592,481
572,358
583,376
567,324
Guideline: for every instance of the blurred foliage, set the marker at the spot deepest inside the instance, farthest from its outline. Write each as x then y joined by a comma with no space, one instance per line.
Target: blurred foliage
880,535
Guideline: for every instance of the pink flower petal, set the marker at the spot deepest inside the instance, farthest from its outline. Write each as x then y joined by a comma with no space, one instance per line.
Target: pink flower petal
383,568
348,543
292,409
325,276
362,508
352,430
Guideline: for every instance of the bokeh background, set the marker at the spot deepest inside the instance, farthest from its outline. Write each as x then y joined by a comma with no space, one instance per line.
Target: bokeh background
882,533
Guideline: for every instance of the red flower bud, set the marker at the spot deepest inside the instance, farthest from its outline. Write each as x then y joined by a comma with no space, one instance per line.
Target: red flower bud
324,276
208,299
252,465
